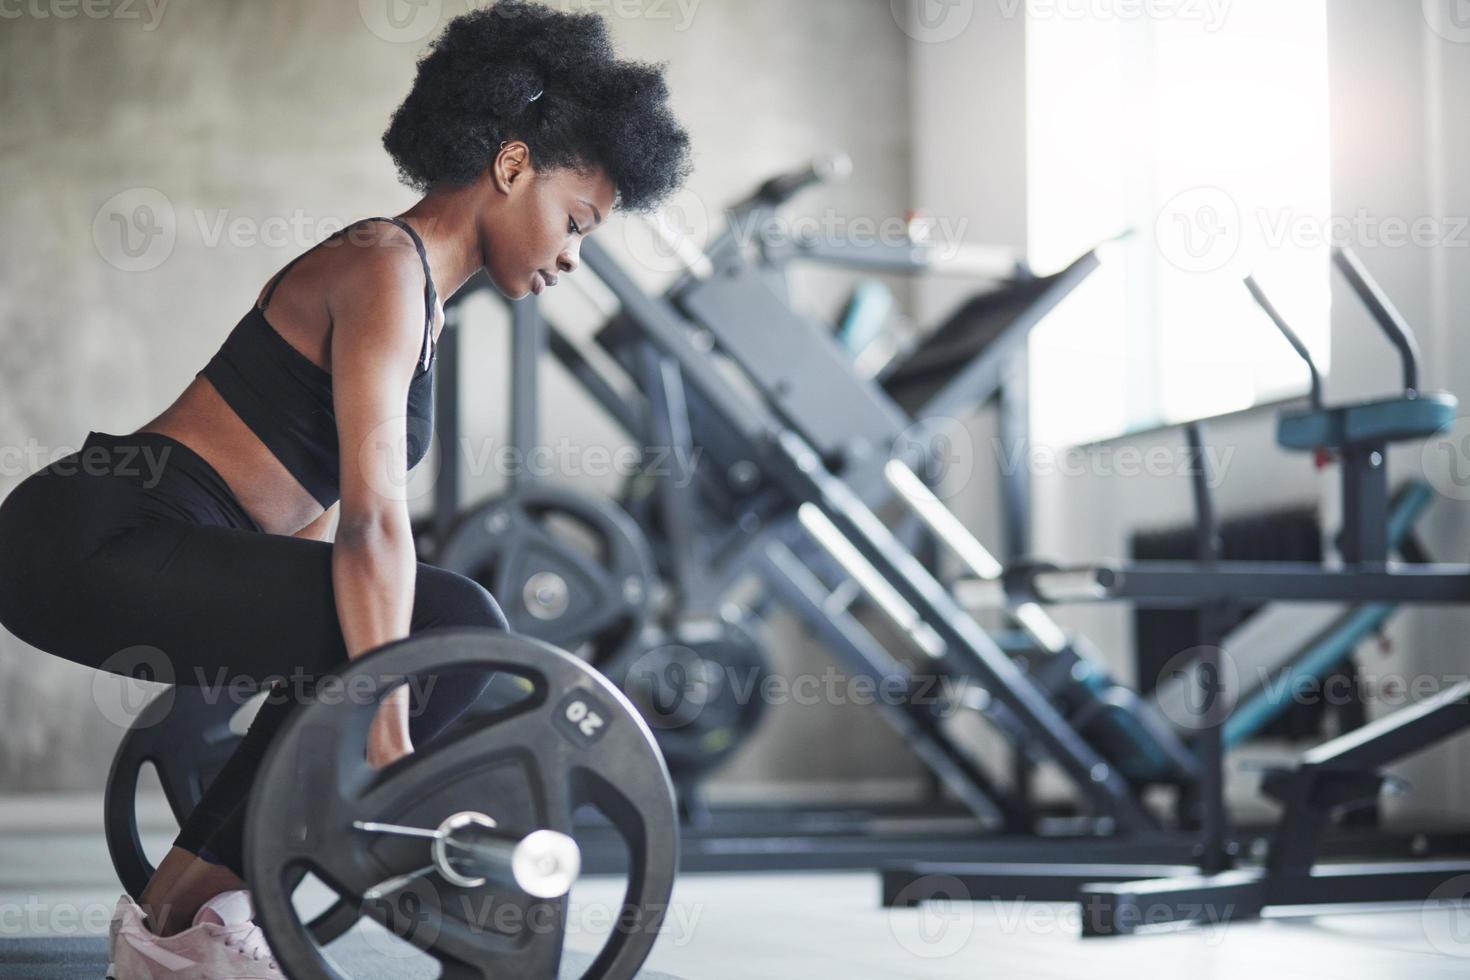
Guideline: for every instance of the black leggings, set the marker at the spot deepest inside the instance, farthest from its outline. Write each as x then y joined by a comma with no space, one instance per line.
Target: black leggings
133,551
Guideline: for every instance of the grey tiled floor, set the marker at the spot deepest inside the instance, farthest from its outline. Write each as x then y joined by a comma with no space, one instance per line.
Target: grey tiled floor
55,878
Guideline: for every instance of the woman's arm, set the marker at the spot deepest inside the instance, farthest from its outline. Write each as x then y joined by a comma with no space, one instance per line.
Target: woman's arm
377,313
324,528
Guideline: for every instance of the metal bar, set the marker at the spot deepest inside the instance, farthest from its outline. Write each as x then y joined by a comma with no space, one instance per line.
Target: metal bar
949,529
868,578
801,592
667,429
791,463
1390,738
1185,583
1213,620
1365,504
626,412
1014,422
1264,302
526,341
1388,318
1114,909
974,652
913,885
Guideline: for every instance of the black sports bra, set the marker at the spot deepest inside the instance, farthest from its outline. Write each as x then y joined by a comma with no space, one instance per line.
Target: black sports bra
286,399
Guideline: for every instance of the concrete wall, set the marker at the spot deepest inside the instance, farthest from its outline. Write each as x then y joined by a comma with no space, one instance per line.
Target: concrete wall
252,130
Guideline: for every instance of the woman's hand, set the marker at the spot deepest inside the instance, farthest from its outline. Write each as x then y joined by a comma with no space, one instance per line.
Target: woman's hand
388,738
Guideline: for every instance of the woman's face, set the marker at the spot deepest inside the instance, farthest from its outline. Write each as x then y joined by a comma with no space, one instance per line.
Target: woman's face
535,234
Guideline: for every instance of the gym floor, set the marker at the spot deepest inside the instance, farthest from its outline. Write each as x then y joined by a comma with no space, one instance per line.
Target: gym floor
56,881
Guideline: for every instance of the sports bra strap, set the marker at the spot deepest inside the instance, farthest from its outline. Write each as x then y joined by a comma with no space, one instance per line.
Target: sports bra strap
430,296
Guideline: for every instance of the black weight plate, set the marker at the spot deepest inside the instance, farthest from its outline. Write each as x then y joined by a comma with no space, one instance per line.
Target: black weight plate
575,740
185,734
572,570
698,687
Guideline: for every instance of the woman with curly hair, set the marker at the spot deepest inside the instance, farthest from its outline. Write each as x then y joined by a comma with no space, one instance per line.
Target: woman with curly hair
207,533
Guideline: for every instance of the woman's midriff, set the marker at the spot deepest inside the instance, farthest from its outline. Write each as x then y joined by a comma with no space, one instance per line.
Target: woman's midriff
201,420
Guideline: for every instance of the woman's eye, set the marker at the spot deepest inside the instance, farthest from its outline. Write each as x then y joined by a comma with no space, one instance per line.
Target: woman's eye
572,227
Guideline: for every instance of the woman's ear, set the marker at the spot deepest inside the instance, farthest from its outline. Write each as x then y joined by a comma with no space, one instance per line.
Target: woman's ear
511,164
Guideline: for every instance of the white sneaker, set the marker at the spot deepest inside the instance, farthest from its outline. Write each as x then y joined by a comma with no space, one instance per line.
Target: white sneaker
224,943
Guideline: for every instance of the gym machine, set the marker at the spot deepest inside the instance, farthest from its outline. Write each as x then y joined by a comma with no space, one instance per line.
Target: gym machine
1103,710
1342,772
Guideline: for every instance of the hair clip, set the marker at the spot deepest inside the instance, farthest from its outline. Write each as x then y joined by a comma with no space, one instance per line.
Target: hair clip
538,95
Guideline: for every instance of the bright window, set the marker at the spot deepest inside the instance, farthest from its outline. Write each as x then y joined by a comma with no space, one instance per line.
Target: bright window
1209,140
